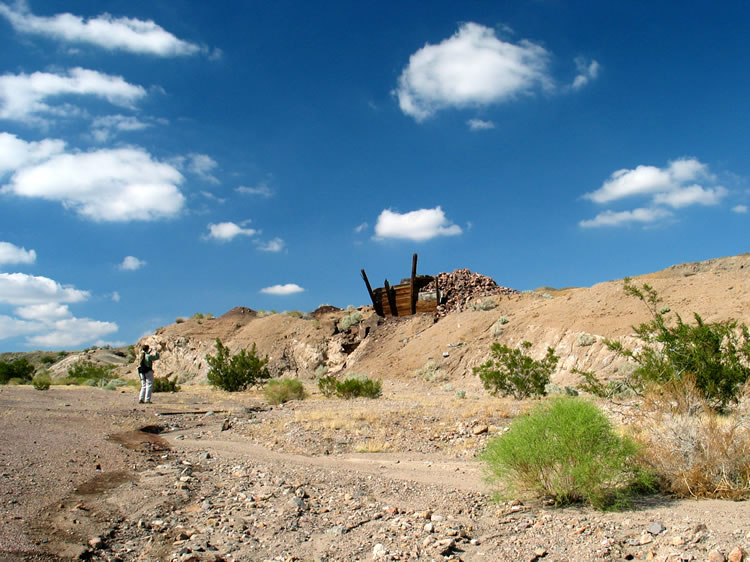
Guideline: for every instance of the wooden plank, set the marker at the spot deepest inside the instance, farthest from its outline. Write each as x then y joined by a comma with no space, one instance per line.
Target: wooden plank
413,288
391,299
375,304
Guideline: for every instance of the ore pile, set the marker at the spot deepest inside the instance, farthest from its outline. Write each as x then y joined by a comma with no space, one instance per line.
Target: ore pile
459,288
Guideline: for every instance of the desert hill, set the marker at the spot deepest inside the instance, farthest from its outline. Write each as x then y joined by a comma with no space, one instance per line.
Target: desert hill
573,321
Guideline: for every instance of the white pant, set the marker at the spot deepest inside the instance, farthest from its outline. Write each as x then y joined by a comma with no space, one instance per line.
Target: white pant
147,383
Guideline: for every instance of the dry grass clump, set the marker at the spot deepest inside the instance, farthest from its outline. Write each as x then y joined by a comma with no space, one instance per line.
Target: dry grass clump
697,451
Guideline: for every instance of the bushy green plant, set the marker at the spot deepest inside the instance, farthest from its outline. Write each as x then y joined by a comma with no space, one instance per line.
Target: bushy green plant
86,372
565,449
716,355
512,372
17,369
41,382
47,359
280,391
430,372
487,303
236,372
354,387
115,384
327,385
165,384
350,320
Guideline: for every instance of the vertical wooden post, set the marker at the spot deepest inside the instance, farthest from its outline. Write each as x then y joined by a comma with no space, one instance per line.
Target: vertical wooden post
414,294
378,306
391,298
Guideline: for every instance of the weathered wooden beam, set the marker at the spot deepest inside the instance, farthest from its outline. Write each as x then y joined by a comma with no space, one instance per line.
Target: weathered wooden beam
376,305
390,295
414,293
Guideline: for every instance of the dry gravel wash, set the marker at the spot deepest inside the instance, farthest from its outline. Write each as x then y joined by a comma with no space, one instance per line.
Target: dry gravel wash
205,475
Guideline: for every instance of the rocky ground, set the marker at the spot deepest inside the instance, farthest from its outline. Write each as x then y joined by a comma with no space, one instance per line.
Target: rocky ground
205,475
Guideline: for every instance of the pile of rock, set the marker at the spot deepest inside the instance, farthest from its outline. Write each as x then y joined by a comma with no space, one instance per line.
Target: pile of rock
459,288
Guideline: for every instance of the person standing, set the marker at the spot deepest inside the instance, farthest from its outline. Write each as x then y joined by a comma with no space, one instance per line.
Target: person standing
146,373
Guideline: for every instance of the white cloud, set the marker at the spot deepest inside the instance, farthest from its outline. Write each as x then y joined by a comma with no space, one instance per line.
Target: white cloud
116,185
480,125
72,332
211,197
45,312
472,68
16,153
103,128
612,218
741,209
24,97
419,225
21,289
131,263
261,189
275,245
13,327
281,290
650,180
587,71
675,186
360,228
10,253
115,296
126,34
225,231
202,165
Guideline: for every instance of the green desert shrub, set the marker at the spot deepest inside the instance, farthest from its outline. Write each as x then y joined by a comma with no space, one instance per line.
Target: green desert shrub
47,359
91,374
512,372
716,356
280,391
430,372
349,320
165,384
566,450
236,372
354,387
17,369
487,303
41,382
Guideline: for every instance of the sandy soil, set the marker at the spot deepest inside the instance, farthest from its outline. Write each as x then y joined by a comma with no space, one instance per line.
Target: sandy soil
205,475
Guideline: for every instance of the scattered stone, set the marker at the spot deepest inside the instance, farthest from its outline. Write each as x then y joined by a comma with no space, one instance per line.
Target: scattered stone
716,556
378,551
656,528
737,555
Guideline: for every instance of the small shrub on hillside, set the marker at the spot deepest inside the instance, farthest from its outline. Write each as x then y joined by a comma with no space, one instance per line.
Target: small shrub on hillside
47,359
321,371
17,369
327,385
295,313
350,320
715,355
487,303
283,390
565,449
114,384
430,372
41,382
165,384
236,372
512,372
86,372
179,320
354,387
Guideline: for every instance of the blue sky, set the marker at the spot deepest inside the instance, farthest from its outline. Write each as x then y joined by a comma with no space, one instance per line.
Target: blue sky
159,159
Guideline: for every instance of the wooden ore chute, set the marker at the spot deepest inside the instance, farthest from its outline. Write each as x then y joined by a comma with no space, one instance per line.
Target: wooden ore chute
406,298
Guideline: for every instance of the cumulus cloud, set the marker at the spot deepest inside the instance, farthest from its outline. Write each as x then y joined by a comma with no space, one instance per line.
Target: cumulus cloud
10,253
104,128
21,289
16,153
588,70
24,97
226,231
115,185
741,209
682,183
480,125
131,263
281,290
361,227
72,332
275,245
105,31
46,312
202,165
261,190
419,225
472,68
13,327
612,218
